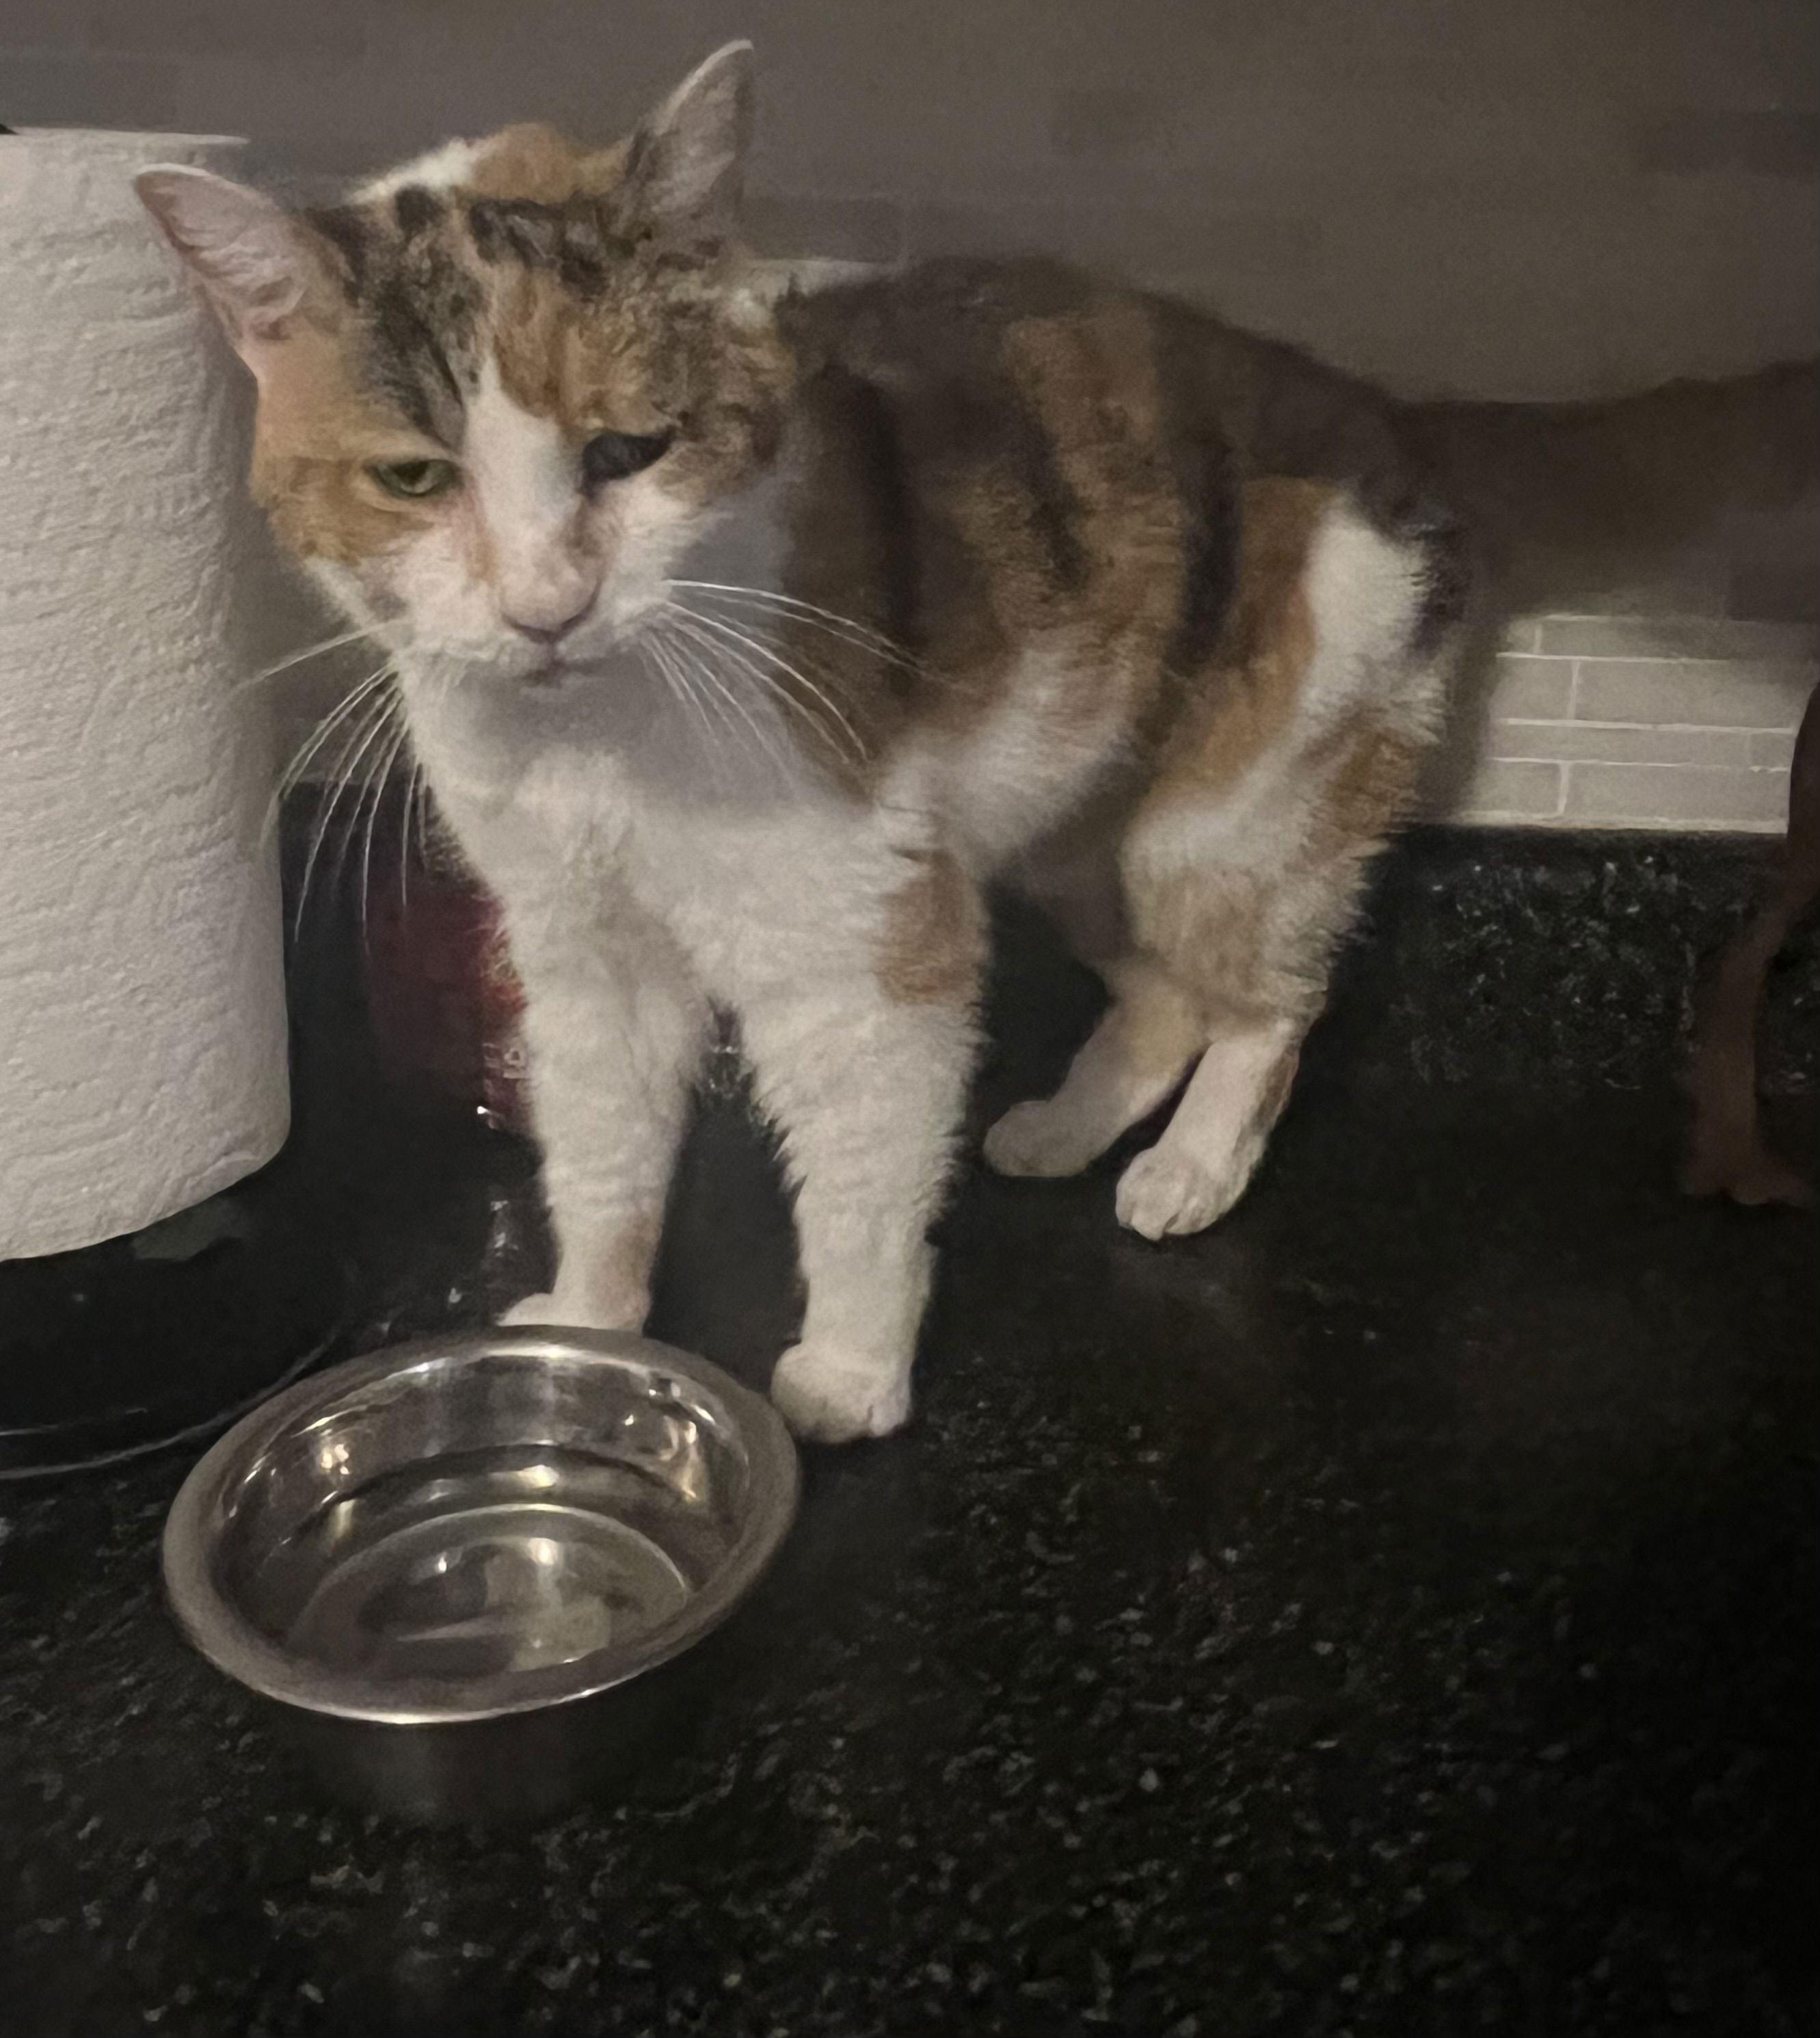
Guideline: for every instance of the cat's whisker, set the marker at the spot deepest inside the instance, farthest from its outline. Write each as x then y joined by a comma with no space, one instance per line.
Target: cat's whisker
652,651
756,676
368,796
424,804
302,658
704,687
359,743
381,779
747,634
784,669
856,632
684,688
769,688
293,773
413,788
732,696
345,776
710,659
319,735
843,629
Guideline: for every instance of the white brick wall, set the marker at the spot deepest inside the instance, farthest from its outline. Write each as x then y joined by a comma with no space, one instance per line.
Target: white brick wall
1670,722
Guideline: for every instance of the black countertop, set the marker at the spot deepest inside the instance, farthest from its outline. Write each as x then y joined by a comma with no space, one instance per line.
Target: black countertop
1398,1611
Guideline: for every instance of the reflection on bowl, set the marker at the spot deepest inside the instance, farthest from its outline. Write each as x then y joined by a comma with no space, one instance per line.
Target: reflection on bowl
458,1568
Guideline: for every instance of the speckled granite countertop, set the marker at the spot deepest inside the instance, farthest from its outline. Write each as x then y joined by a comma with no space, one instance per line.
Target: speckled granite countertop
1397,1611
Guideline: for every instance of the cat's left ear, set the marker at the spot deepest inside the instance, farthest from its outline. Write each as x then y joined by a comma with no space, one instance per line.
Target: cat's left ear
686,163
257,262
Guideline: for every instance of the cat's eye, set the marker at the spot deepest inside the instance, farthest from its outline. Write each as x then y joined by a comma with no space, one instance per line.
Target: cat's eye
416,480
612,456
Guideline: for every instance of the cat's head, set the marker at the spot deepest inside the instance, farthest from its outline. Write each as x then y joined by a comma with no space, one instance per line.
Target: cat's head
503,392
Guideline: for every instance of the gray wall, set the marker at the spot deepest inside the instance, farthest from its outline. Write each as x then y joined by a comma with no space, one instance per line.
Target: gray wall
1519,197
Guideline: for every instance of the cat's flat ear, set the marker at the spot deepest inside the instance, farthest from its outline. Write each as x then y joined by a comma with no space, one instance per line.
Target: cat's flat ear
254,259
686,163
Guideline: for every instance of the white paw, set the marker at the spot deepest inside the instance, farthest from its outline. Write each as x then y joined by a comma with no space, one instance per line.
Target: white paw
538,1312
832,1396
1035,1138
1164,1194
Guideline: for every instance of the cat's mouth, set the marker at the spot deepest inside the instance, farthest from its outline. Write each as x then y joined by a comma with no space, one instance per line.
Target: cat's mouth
551,673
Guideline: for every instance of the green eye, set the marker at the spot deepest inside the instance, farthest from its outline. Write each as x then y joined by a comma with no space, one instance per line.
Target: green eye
415,480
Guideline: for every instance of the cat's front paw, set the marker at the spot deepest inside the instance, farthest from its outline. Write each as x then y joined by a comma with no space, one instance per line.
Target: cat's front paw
833,1396
564,1312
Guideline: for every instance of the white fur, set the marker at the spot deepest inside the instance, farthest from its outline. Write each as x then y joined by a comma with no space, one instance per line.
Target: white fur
1201,1165
440,169
525,474
1363,592
646,876
633,903
1001,785
659,854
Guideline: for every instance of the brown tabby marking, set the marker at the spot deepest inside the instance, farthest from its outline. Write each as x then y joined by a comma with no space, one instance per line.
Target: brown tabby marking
1264,649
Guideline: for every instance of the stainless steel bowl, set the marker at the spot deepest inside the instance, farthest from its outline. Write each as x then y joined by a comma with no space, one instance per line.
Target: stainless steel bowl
466,1571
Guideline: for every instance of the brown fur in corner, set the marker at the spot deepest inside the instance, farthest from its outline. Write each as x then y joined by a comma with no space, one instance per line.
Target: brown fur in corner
1727,1154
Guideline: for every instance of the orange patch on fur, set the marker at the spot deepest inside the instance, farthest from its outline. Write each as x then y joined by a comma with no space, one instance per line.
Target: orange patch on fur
534,161
315,434
1245,942
934,939
1266,645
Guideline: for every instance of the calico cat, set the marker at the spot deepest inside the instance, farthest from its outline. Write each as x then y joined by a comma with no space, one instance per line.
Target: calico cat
747,625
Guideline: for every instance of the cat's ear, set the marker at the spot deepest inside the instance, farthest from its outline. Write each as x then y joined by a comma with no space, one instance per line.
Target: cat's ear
686,163
255,259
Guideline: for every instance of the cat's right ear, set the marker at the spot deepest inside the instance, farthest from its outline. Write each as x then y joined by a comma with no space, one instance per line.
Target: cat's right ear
251,257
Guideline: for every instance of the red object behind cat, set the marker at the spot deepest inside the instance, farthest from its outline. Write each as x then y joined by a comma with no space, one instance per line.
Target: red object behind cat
444,1002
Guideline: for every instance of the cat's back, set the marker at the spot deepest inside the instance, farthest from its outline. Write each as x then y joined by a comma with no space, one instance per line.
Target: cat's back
972,353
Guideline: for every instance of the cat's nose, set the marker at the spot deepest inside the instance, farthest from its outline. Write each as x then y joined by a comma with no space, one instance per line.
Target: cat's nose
549,626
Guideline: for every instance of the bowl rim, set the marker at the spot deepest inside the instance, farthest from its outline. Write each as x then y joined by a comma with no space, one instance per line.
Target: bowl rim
221,1632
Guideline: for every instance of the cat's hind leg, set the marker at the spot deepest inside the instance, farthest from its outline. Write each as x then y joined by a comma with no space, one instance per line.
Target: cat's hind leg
1145,1042
1243,864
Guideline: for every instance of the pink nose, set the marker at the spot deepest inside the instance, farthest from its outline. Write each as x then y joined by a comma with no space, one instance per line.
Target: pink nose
545,629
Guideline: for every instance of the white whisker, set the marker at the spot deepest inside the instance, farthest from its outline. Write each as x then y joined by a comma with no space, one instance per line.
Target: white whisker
682,688
757,646
683,624
722,731
382,776
300,763
370,728
301,657
413,786
861,634
425,803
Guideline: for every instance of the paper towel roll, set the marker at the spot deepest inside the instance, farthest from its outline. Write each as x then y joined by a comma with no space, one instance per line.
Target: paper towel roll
142,1039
